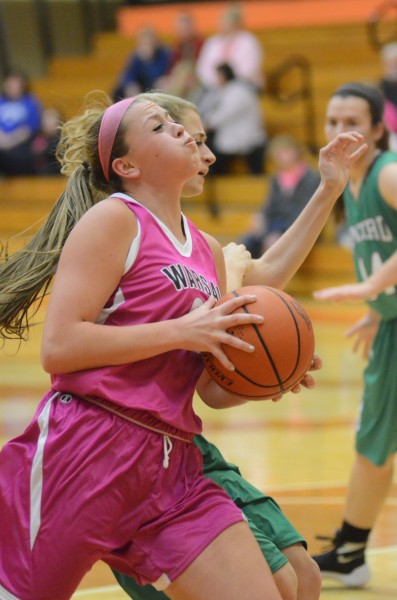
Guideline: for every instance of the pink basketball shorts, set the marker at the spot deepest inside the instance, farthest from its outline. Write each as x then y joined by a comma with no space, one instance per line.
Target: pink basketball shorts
82,484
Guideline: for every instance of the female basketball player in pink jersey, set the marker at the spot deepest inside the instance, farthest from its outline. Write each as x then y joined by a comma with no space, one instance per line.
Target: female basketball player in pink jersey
106,469
295,573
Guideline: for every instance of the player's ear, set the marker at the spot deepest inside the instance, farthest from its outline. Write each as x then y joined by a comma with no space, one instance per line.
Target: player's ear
124,168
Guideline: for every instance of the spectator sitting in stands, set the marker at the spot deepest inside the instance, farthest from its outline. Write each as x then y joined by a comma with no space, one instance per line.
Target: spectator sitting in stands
290,188
233,117
20,114
45,143
388,85
181,79
145,67
236,46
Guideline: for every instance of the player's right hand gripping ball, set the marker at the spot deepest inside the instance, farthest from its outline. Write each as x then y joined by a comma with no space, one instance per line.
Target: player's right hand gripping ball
284,346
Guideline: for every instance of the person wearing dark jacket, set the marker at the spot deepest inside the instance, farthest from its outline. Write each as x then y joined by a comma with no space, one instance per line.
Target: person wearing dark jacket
290,188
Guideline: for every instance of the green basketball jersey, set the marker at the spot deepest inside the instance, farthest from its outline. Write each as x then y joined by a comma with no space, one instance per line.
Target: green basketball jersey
373,229
212,458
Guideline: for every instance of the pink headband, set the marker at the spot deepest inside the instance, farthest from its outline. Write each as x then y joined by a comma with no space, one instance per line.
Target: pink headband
110,124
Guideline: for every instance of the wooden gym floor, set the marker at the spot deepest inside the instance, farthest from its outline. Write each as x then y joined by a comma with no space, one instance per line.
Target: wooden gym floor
299,450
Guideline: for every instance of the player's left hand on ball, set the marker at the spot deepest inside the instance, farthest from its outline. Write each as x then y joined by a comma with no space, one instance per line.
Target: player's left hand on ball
308,380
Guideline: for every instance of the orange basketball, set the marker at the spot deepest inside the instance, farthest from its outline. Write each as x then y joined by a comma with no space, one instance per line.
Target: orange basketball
284,346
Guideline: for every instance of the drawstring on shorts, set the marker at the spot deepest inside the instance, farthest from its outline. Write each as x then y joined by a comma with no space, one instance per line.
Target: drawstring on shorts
142,419
167,447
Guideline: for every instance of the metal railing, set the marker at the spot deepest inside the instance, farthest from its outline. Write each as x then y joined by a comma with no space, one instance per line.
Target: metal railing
282,87
382,24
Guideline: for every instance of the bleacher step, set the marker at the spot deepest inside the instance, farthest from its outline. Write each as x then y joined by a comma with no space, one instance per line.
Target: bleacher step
25,202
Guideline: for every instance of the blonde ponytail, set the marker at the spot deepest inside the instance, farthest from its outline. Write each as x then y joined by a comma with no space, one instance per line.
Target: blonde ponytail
26,275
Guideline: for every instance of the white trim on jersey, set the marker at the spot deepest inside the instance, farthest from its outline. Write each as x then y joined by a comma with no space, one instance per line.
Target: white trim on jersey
4,595
184,249
133,251
118,300
36,475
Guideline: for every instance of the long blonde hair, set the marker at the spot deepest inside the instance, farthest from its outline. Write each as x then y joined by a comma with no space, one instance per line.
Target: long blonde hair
26,274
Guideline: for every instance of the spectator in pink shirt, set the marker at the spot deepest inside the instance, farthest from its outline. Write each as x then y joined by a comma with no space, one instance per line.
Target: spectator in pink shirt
388,85
291,185
234,45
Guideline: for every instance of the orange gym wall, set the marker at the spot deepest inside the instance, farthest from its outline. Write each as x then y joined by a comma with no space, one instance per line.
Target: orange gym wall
258,14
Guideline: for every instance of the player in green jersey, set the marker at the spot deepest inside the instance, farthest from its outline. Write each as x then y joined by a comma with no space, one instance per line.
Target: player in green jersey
370,201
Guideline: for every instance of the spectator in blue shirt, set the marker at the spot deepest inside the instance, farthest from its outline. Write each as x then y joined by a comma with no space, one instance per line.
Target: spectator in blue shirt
20,117
146,66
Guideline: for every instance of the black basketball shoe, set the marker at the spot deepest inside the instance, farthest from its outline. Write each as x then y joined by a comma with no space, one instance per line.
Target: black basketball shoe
345,562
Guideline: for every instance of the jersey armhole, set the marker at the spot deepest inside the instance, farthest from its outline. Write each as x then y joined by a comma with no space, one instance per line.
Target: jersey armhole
133,251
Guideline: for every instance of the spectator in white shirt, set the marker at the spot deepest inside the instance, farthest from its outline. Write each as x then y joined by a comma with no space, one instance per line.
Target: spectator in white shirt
234,120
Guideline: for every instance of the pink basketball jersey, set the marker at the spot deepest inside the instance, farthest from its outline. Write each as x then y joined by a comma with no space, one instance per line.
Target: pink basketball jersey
167,279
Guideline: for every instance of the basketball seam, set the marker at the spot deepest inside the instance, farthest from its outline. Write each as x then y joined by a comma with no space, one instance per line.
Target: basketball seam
264,346
282,385
296,327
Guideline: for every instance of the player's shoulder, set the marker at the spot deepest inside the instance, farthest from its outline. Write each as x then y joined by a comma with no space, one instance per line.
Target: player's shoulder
212,242
388,164
109,206
385,159
109,215
384,167
387,179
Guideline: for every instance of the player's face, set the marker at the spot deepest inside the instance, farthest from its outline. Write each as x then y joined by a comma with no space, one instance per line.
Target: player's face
159,148
192,123
351,113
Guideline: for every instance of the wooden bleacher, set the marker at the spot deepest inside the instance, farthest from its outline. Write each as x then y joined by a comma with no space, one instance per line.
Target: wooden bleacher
337,52
26,201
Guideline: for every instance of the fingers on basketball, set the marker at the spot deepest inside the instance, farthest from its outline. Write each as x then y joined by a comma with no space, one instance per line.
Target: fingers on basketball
284,346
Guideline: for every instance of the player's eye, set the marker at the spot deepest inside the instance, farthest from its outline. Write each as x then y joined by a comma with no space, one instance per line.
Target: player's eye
158,127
